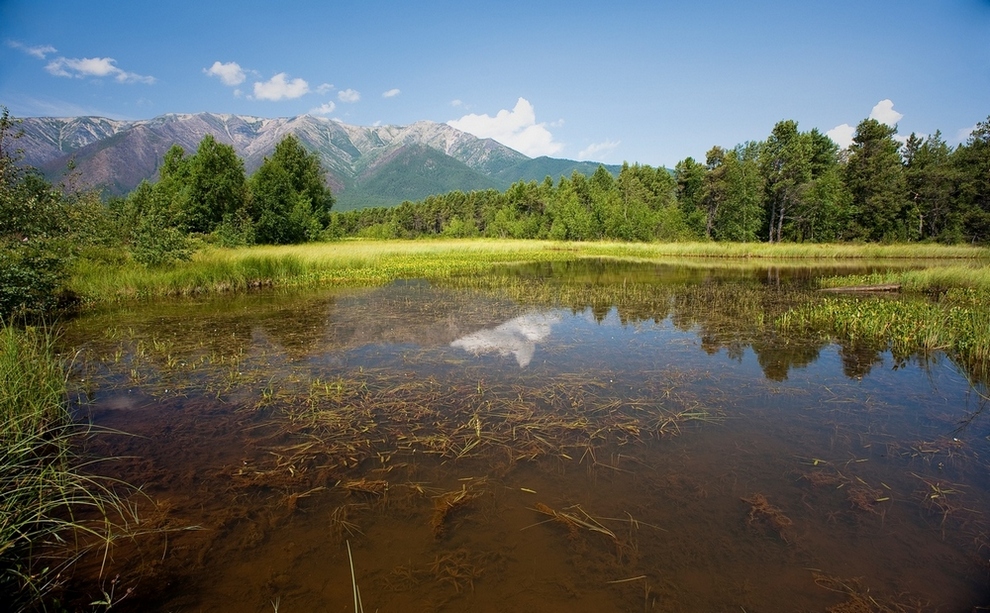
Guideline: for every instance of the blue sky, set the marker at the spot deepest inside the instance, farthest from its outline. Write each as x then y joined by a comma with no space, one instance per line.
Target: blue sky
648,82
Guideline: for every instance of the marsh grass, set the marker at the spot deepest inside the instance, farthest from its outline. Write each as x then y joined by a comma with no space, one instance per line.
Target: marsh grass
45,495
932,279
957,324
363,262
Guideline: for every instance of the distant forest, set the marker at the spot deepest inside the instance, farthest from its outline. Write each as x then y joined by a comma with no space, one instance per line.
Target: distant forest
794,186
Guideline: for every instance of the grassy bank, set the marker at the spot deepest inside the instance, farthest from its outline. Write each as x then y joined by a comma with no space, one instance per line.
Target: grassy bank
43,494
355,263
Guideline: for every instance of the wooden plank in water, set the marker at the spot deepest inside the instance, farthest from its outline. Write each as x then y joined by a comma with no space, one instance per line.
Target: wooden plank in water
884,287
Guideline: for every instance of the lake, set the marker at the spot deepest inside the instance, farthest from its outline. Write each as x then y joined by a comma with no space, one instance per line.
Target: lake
583,436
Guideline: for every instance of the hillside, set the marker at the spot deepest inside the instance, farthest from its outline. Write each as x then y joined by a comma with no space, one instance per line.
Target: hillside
366,166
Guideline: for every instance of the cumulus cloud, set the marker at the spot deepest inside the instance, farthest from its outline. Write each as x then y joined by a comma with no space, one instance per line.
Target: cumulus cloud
392,93
842,135
516,337
882,111
349,95
516,129
324,109
324,88
456,102
596,149
230,74
280,87
38,51
94,67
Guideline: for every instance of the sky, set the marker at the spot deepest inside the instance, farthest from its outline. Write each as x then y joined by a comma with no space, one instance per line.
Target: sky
649,82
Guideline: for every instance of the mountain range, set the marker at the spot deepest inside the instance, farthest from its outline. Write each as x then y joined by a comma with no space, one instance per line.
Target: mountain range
365,166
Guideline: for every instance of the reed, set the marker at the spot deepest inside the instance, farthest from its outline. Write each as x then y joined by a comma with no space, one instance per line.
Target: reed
44,494
958,324
930,279
364,262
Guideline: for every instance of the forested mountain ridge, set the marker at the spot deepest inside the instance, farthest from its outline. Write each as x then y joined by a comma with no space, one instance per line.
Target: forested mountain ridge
360,162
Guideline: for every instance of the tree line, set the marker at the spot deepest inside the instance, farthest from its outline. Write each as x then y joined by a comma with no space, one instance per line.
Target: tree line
792,187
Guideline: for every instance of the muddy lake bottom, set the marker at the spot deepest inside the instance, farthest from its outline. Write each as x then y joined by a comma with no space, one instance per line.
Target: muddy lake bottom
486,454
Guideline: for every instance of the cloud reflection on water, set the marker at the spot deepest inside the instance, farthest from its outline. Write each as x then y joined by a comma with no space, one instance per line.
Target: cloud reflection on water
515,337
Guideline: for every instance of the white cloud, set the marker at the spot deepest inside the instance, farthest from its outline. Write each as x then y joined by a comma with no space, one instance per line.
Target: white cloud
516,129
230,74
884,112
842,135
456,102
94,67
349,95
280,88
324,109
392,93
38,51
596,149
324,88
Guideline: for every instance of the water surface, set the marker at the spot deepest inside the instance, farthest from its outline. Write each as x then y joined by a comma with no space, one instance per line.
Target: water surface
581,437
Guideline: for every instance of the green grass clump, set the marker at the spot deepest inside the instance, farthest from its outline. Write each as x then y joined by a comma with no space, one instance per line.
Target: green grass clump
958,323
43,493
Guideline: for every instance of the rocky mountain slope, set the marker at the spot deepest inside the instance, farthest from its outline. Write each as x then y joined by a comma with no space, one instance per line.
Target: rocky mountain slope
377,165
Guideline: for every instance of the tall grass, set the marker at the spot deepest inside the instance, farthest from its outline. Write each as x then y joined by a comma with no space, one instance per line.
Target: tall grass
931,279
365,262
44,494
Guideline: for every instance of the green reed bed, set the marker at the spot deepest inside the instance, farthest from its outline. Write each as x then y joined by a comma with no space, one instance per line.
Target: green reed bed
349,263
945,309
975,276
958,324
43,492
773,251
364,262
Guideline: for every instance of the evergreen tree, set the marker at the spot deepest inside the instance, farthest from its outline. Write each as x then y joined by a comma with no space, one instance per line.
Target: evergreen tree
690,177
875,178
972,162
289,201
932,185
785,164
207,187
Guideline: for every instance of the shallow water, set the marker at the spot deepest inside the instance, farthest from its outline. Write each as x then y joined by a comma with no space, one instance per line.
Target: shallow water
633,438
